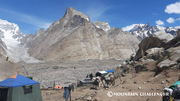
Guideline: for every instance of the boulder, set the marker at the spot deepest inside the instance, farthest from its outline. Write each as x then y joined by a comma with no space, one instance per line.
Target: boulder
95,100
149,60
89,99
154,53
154,50
163,65
167,81
158,39
175,56
139,68
166,64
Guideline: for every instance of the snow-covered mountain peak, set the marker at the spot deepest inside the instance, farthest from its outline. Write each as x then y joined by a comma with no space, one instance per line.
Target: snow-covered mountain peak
141,25
159,27
4,22
145,30
11,36
10,30
103,25
7,25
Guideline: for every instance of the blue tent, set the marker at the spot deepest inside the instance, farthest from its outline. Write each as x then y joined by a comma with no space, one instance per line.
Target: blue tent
17,81
110,71
20,88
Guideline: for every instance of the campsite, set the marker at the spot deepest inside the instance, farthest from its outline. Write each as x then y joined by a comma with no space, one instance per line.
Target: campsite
89,50
144,82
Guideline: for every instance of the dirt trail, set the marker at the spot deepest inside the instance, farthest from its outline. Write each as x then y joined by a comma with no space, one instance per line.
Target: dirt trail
147,83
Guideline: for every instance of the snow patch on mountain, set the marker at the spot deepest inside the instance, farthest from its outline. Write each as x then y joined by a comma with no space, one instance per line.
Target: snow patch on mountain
11,36
103,25
130,27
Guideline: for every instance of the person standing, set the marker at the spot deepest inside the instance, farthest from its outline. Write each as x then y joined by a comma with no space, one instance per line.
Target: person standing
66,93
72,87
91,75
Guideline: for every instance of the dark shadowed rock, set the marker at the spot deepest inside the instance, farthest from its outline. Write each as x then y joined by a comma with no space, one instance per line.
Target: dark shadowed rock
139,68
158,39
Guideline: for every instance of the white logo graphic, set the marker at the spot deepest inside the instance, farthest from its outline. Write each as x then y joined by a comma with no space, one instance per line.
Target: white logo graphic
110,94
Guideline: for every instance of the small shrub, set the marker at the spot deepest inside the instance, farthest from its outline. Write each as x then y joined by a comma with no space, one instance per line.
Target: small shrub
160,60
145,69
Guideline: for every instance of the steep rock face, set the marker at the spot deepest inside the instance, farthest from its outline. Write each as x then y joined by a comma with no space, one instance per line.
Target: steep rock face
124,44
74,37
103,25
7,69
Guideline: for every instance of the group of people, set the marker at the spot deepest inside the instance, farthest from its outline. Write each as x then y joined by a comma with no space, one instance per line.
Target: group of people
90,76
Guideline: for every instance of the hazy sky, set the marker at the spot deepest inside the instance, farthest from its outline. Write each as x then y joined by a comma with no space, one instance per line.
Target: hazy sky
31,15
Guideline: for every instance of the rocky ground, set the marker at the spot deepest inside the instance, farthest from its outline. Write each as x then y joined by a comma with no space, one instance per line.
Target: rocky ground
142,83
63,73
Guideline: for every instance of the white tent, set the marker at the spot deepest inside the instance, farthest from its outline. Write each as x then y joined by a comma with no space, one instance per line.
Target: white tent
103,72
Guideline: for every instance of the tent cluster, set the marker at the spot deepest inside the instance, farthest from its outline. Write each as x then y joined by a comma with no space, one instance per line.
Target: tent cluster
104,73
58,87
88,81
20,88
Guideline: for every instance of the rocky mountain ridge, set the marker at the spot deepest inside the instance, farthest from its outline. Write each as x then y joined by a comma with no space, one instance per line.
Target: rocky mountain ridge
142,31
103,25
75,37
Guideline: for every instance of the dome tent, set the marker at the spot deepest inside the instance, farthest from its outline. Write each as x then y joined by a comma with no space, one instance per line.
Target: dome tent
110,71
103,73
19,88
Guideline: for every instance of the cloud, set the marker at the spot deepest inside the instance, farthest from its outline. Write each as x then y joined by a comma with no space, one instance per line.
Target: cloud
159,22
178,19
173,8
178,27
170,20
25,18
128,28
96,11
